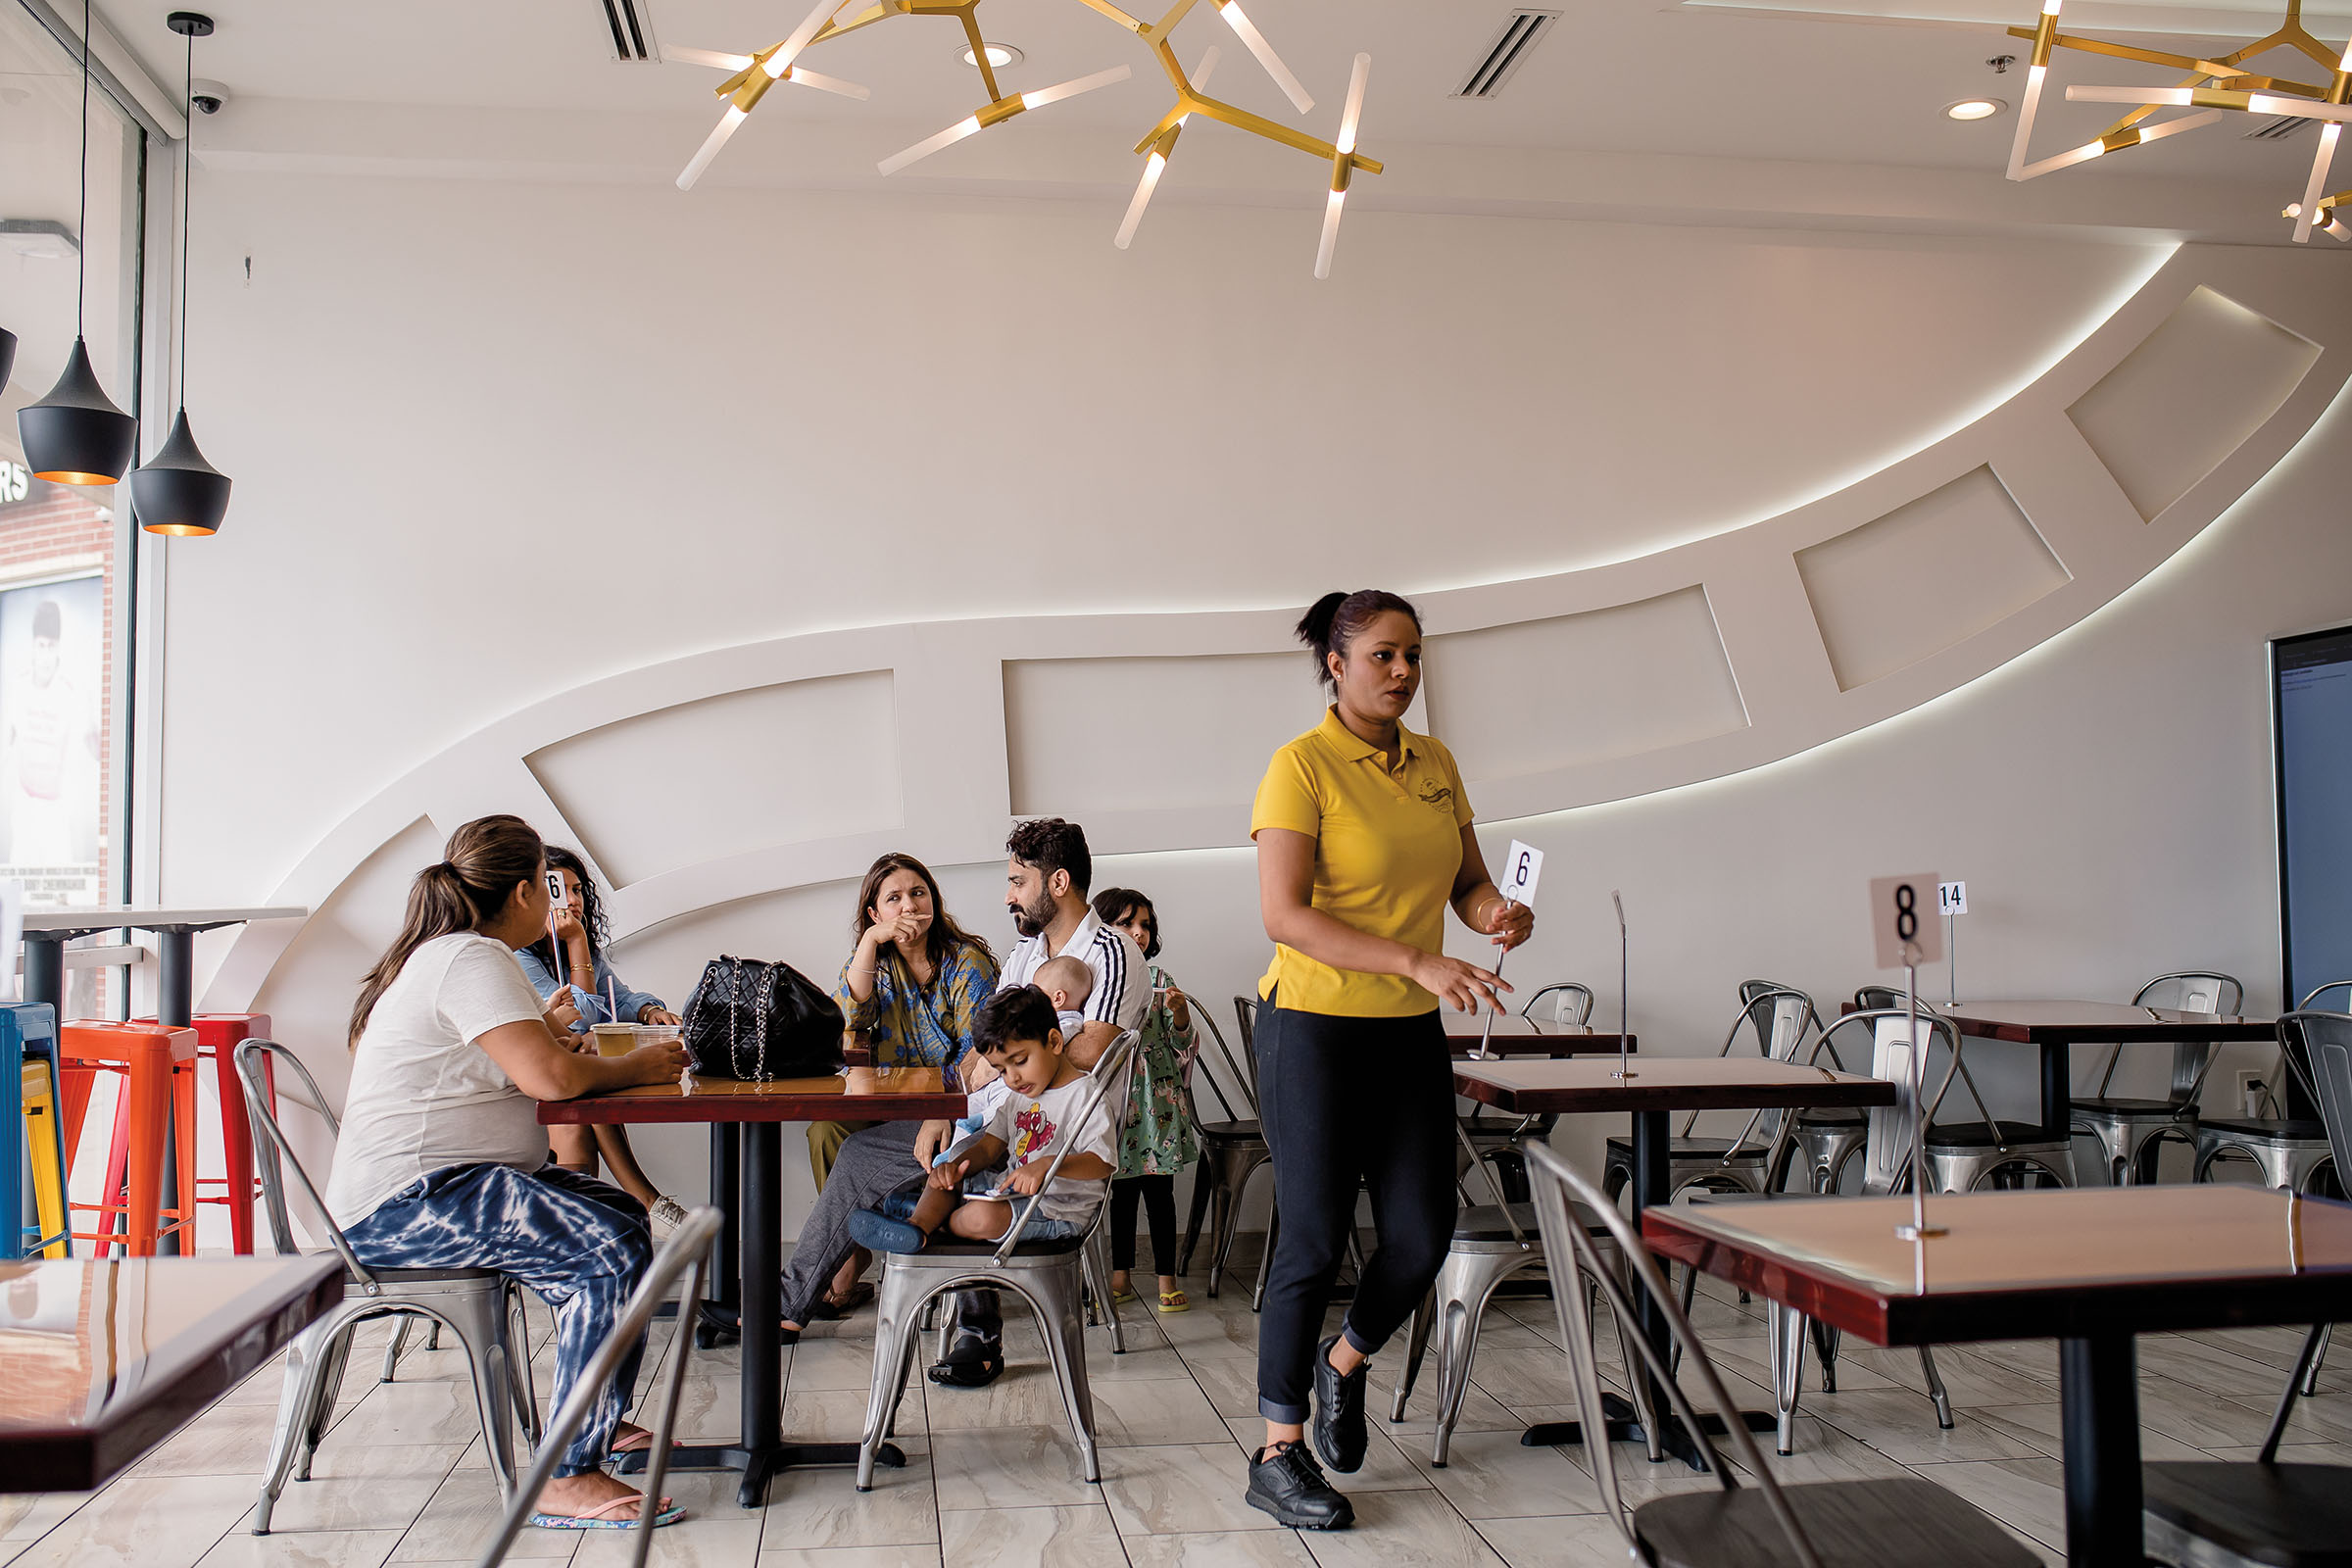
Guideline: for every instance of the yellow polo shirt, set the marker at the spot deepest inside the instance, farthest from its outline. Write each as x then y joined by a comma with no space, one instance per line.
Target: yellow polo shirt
1388,847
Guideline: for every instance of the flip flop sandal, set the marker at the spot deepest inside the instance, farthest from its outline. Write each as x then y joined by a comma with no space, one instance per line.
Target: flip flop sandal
638,1442
827,1307
977,1373
601,1518
1122,1295
1175,1301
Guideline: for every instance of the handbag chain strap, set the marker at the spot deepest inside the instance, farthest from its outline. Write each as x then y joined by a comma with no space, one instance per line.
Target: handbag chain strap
760,1006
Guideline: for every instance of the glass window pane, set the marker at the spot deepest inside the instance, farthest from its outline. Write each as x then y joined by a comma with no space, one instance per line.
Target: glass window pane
60,545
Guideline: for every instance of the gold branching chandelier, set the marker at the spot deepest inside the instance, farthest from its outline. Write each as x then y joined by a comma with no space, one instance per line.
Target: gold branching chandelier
2213,89
753,74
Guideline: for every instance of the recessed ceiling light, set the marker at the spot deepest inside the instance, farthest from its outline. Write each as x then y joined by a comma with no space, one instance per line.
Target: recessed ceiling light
1974,109
1000,55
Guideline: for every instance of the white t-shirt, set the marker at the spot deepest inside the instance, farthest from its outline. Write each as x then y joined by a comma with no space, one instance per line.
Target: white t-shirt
423,1096
1035,1129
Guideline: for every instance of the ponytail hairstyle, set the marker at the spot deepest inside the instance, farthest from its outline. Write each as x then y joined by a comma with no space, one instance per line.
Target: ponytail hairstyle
592,913
1337,618
485,862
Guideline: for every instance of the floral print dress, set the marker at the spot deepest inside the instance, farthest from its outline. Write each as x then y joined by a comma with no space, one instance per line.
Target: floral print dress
1159,1139
912,1025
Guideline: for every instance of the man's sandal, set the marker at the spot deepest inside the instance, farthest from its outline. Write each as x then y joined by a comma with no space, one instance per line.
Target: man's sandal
601,1517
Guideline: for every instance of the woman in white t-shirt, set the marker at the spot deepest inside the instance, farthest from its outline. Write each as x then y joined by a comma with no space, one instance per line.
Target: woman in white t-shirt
443,1163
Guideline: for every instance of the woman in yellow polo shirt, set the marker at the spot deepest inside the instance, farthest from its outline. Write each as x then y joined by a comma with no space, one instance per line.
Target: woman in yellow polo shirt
1363,840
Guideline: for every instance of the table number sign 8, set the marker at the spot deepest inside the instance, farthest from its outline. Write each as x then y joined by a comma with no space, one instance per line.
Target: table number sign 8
1902,919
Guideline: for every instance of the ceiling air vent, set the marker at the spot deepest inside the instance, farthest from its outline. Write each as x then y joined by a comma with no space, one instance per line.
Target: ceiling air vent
1521,30
632,30
2281,130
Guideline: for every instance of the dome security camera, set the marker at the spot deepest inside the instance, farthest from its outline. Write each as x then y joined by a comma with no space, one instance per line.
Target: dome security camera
206,97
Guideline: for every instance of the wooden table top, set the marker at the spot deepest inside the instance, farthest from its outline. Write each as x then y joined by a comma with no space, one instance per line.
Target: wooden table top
2067,1023
2031,1264
102,1360
1662,1083
855,1093
1523,1037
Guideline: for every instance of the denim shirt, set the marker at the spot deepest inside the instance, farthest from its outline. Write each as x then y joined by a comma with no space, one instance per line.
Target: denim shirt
592,1008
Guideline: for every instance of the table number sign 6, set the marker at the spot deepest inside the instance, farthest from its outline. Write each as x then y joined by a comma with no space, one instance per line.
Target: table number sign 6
1521,868
1902,919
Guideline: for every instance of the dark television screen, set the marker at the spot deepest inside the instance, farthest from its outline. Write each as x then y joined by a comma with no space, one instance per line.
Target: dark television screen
2312,717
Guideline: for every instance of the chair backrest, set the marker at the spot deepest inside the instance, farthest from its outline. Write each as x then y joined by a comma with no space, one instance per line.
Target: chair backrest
1110,1074
2310,998
1207,1074
1571,1004
1888,1135
1559,1193
2324,1041
2190,990
1876,999
686,1252
275,1156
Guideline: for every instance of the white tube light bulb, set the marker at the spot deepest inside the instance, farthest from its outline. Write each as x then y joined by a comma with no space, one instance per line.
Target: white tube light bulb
1156,161
711,145
2313,188
1054,94
1247,31
1144,187
967,125
1349,117
810,26
715,59
2035,75
803,77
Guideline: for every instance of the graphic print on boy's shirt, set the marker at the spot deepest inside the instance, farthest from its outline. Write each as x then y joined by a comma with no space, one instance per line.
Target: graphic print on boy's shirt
1033,1133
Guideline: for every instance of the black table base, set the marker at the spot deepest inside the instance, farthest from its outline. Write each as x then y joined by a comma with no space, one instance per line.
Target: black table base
1654,1178
761,1465
1625,1426
2099,1392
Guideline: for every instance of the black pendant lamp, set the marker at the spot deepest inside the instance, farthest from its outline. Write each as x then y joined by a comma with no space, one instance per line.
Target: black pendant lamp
177,492
76,435
8,355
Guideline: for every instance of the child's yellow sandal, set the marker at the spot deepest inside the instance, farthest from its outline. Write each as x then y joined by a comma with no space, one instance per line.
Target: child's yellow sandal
1174,1302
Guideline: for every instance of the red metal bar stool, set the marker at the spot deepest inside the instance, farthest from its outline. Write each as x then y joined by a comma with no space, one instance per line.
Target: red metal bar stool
159,1098
217,1037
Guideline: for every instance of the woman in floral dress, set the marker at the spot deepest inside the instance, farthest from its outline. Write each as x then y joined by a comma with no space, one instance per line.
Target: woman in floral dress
1157,1141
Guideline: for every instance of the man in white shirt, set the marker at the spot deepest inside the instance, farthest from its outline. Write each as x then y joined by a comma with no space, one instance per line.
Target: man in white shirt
1046,884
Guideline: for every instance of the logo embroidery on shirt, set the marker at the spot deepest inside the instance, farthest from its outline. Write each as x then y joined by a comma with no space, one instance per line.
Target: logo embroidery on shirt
1438,794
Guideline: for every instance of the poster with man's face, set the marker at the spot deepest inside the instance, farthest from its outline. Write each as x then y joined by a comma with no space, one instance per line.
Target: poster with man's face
51,691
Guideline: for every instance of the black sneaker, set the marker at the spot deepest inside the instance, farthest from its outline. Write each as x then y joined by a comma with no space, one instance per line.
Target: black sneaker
1338,1425
1284,1482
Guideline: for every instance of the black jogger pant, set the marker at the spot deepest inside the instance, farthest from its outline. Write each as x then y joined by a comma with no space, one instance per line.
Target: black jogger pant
1347,1101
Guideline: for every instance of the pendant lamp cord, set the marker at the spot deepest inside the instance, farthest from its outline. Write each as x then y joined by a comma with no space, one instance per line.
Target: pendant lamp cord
82,222
187,179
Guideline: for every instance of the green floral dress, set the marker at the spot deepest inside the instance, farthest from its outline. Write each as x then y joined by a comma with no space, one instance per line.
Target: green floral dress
1157,1140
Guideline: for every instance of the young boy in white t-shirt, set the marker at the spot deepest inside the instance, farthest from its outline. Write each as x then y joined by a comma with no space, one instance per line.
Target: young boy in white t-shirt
1048,1103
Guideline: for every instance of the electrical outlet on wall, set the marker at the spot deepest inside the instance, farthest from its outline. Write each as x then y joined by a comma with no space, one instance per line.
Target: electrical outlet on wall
2252,1093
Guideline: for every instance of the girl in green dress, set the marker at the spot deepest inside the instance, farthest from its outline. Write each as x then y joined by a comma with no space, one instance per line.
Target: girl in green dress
1157,1141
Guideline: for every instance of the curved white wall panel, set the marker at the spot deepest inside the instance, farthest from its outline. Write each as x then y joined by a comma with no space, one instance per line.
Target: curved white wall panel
1211,721
735,772
1538,695
1955,561
2188,395
2016,513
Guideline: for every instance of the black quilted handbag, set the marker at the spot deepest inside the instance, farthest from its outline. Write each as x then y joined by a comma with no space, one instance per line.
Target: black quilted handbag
754,1020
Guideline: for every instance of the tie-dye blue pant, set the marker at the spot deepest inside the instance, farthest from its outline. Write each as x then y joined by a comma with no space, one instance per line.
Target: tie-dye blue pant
580,1243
